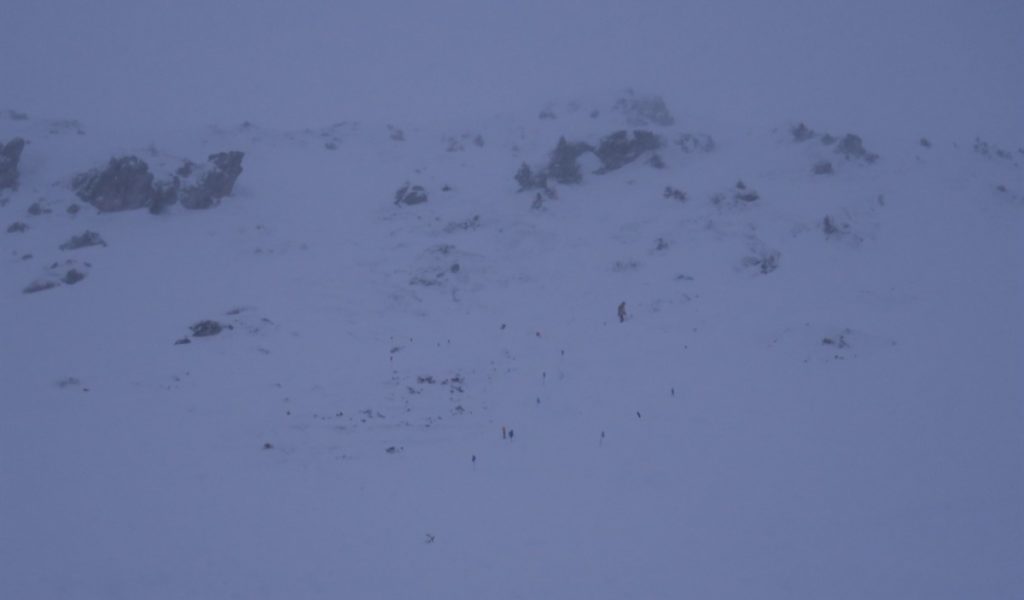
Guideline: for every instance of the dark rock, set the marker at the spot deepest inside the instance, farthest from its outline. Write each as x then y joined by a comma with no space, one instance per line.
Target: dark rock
17,227
528,180
39,286
165,194
410,195
10,156
614,151
35,209
802,133
466,225
73,276
765,262
852,147
745,194
823,167
672,193
924,142
832,228
186,169
215,182
656,161
206,328
621,148
643,111
562,165
125,184
985,149
74,208
182,341
84,240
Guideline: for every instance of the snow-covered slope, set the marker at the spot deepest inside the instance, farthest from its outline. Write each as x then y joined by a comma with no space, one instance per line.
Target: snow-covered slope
814,393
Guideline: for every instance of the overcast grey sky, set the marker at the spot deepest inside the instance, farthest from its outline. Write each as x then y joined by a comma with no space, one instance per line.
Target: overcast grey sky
307,62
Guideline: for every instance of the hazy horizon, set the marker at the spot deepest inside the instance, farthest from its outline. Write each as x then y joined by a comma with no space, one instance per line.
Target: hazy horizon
119,64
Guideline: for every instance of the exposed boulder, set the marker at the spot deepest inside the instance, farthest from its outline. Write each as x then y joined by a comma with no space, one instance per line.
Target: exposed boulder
822,167
410,195
165,194
125,184
73,276
621,148
10,156
528,180
83,240
206,328
39,286
852,147
802,133
36,208
212,183
613,152
563,166
672,193
744,193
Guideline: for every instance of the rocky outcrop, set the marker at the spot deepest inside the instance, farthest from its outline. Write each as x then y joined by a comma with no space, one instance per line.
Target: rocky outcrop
409,195
83,240
210,184
126,183
206,328
614,151
10,156
563,165
621,148
852,148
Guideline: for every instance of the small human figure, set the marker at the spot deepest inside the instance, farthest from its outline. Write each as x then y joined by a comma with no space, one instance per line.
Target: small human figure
622,312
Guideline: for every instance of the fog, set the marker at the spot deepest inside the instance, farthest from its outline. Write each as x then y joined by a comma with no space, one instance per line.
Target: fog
131,64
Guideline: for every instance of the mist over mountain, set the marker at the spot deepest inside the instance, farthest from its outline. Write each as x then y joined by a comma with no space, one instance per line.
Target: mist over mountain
511,300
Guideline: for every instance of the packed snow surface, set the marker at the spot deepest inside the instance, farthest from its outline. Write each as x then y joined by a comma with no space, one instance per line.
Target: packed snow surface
763,358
